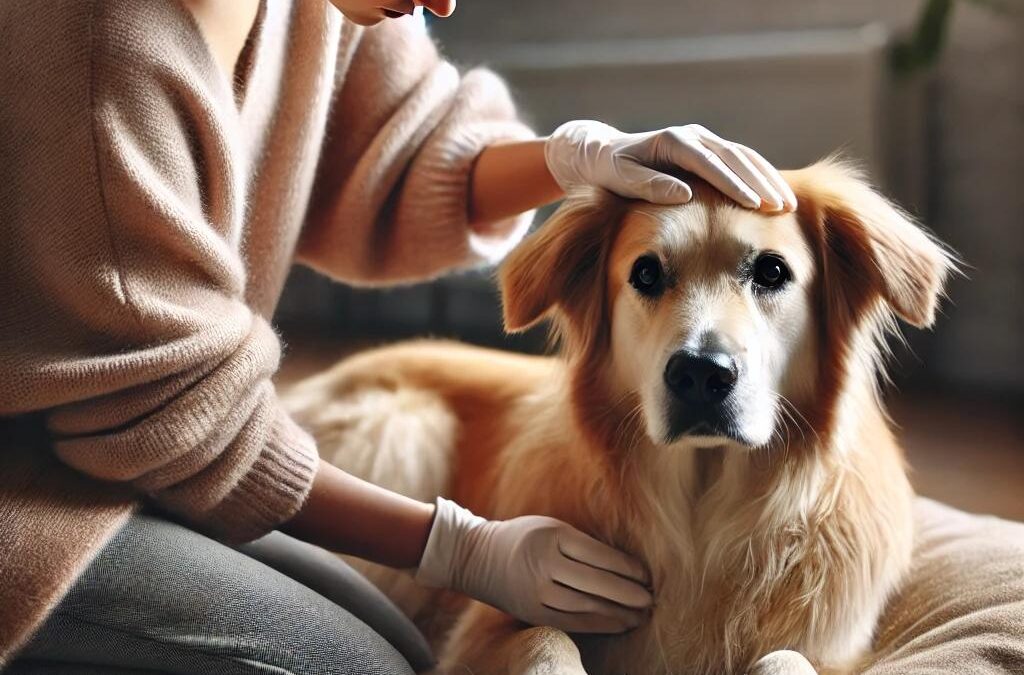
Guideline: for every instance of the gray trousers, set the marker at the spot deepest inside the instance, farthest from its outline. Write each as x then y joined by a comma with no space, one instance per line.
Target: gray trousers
160,598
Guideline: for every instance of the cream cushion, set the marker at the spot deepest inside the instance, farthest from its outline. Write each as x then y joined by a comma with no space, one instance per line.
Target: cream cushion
961,609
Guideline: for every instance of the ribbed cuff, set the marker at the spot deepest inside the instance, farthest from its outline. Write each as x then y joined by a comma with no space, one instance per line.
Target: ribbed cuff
437,197
447,174
274,488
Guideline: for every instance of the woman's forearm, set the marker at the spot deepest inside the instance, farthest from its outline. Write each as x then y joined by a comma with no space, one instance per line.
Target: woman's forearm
508,179
348,515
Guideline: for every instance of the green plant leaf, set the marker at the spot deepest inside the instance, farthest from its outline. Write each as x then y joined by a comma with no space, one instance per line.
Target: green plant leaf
924,45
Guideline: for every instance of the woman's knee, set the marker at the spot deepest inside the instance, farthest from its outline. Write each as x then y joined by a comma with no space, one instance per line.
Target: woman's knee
160,596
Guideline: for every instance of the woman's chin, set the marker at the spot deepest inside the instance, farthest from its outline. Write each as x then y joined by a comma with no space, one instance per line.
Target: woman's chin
364,19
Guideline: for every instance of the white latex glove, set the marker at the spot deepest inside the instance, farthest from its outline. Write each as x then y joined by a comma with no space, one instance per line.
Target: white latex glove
540,570
585,152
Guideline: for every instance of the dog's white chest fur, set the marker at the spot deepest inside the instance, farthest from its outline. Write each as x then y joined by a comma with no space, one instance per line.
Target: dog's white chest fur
742,569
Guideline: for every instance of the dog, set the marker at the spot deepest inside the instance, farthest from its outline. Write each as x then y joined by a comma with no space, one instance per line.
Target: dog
713,408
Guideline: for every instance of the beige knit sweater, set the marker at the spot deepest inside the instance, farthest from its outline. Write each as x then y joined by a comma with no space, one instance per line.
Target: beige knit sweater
149,211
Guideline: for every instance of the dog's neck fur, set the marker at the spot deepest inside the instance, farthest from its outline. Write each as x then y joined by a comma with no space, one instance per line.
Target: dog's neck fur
730,533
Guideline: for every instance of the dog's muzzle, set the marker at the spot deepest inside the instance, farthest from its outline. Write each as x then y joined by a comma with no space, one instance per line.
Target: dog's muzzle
700,383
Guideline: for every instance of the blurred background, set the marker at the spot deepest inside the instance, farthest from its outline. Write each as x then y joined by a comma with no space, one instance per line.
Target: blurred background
927,94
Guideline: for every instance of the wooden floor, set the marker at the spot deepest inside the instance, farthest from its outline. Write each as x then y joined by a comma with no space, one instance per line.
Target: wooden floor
967,451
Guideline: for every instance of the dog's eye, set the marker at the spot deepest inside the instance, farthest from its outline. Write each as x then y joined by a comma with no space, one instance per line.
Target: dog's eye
646,276
770,271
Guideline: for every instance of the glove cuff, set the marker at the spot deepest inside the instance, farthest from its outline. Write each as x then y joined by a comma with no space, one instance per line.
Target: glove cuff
572,148
451,524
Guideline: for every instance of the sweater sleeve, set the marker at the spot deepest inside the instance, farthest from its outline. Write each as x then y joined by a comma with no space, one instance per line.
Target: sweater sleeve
128,321
392,193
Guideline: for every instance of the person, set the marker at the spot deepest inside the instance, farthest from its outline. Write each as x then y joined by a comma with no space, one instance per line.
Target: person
164,164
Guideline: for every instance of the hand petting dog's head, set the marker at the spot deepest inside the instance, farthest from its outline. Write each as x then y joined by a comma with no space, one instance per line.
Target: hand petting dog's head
707,324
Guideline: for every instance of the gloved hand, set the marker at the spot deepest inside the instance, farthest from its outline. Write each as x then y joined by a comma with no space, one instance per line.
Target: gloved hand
538,569
584,152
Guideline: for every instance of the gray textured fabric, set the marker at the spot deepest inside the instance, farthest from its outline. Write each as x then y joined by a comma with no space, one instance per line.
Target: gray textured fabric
160,598
335,580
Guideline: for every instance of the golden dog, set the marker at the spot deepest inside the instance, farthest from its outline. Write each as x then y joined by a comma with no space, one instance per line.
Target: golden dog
713,409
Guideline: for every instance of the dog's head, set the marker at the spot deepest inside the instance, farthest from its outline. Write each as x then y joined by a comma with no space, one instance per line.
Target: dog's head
710,324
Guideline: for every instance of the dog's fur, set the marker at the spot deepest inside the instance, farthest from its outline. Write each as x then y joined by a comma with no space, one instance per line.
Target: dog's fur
787,533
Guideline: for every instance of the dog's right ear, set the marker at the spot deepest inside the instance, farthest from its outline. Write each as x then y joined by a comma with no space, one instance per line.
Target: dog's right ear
870,247
562,264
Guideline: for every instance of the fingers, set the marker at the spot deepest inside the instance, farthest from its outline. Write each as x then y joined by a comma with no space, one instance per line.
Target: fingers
585,152
640,182
737,171
601,583
581,613
773,175
577,612
744,167
585,549
688,152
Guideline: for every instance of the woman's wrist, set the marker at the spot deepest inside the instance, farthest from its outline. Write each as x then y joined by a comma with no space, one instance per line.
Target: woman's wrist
348,515
509,179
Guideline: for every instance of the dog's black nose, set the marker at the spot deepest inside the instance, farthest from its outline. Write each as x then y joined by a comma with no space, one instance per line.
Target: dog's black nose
700,378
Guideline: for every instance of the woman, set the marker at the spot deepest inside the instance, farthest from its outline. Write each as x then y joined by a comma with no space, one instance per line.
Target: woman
164,164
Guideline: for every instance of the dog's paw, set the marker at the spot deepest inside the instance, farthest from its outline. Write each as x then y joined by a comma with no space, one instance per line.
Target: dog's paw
553,668
782,662
545,651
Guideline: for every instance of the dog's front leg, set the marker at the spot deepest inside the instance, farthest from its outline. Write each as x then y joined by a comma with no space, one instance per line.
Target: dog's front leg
486,641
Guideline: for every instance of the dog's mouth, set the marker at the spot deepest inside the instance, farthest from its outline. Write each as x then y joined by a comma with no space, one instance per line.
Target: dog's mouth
703,426
706,434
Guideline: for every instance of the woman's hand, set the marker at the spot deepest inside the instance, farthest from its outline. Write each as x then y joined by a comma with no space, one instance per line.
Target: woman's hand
538,569
585,152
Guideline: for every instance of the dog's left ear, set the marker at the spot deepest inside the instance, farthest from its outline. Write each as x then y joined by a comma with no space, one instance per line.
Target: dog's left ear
870,245
562,264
